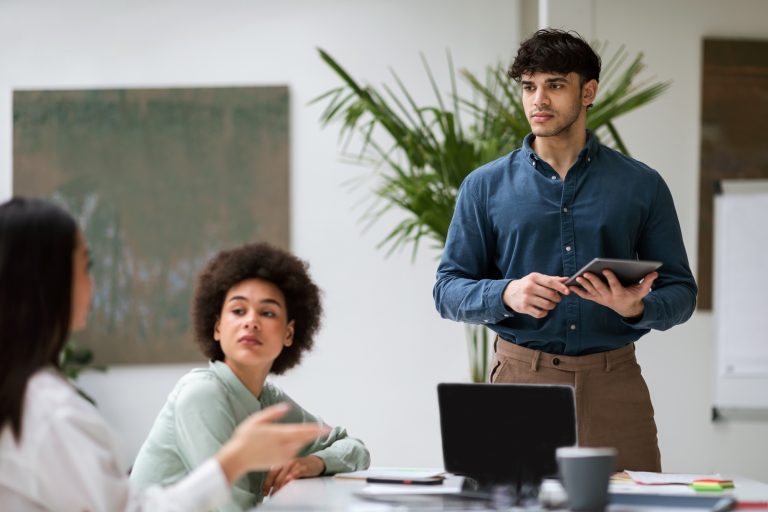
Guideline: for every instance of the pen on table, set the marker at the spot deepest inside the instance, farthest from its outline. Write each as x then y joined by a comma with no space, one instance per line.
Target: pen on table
751,504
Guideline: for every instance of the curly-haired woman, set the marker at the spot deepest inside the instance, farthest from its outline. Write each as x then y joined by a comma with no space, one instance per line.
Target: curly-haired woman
255,312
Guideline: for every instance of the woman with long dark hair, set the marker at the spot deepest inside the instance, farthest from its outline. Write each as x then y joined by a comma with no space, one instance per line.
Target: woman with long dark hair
56,451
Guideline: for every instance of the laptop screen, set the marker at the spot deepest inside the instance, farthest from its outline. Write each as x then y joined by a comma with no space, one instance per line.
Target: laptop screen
505,433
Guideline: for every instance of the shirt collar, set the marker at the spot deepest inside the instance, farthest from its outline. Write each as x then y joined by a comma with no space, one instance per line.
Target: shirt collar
588,152
233,384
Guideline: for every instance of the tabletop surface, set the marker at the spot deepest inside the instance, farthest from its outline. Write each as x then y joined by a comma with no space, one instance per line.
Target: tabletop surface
337,494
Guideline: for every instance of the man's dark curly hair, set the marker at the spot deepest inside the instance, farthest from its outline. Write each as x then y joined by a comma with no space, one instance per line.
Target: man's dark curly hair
556,51
258,261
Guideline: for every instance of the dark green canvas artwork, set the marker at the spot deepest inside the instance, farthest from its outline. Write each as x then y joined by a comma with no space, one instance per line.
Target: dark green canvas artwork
159,180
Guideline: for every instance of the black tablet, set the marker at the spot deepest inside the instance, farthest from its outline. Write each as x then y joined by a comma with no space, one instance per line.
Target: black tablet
629,272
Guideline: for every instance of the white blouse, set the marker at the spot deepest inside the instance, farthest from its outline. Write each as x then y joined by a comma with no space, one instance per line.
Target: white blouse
67,460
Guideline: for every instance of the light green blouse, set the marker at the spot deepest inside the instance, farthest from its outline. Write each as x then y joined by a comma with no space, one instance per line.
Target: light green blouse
200,415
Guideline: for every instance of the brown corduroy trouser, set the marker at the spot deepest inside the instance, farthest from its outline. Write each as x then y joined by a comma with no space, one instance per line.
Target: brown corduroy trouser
613,406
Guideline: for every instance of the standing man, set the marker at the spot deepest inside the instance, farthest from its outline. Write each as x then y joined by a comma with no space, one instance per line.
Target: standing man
527,221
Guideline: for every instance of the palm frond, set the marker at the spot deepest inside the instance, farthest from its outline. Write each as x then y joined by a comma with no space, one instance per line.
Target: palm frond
422,153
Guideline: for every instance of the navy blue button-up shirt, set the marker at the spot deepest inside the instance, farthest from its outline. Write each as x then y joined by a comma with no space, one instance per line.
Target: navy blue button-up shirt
515,216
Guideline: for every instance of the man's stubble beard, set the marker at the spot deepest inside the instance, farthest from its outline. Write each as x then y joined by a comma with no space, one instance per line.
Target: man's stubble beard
573,115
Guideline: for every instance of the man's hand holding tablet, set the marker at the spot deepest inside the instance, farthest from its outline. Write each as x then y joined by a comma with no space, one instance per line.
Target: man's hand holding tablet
619,289
628,272
616,284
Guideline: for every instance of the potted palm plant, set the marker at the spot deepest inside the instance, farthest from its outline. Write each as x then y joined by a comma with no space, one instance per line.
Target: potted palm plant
421,154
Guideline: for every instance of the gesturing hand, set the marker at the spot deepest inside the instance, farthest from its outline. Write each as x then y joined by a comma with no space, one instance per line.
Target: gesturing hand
535,294
258,444
302,467
625,300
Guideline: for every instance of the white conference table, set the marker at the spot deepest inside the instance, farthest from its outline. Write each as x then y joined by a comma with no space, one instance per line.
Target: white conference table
334,494
324,493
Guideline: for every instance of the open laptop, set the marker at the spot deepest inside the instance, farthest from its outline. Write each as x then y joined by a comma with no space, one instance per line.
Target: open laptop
505,434
499,436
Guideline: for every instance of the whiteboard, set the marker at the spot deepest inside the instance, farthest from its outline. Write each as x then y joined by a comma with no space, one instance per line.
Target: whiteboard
741,295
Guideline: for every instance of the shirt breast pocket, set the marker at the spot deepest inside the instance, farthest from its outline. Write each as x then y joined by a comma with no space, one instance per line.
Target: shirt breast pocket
608,228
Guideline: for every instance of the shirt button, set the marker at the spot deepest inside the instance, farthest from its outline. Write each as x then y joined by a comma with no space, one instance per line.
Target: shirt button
556,361
573,327
565,209
554,177
568,248
589,159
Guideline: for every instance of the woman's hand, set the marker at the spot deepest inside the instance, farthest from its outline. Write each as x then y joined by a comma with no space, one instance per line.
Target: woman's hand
258,444
302,467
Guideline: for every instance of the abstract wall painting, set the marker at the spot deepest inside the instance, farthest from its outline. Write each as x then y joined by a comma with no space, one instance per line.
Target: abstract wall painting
160,180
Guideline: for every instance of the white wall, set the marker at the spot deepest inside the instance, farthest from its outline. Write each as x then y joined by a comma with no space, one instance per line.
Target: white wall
383,347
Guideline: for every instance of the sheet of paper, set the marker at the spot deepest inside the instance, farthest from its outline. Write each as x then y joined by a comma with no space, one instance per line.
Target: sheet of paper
647,478
386,472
